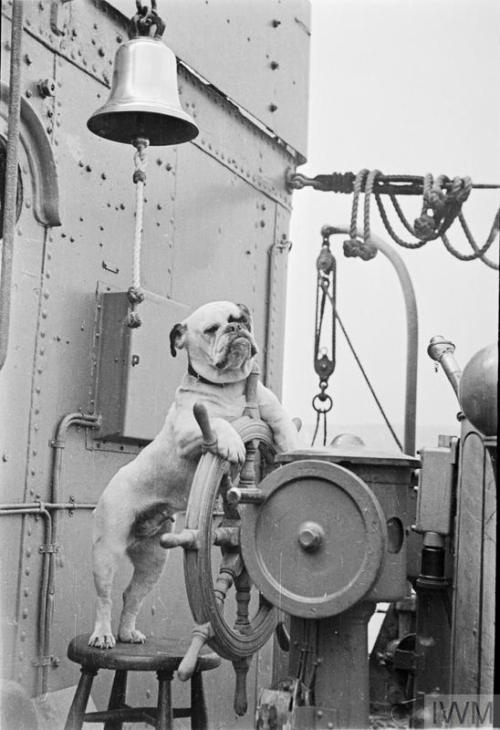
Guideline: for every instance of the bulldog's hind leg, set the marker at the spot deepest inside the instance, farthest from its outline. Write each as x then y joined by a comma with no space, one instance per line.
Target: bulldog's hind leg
148,559
105,555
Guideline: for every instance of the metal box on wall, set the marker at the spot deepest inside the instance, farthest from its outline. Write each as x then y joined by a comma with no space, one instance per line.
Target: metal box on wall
136,375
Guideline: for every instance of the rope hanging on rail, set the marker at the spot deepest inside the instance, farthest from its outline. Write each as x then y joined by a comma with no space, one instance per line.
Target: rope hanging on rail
135,293
442,201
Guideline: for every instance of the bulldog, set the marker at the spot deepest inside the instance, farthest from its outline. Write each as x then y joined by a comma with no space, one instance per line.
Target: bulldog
141,500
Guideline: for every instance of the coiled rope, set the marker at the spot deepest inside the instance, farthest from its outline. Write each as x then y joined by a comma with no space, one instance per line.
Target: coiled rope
442,201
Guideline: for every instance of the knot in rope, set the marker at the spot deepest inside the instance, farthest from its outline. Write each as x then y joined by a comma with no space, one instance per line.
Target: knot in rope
135,295
425,227
354,248
139,176
442,203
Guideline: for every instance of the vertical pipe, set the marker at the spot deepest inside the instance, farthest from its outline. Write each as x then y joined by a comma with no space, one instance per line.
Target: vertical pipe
10,195
411,333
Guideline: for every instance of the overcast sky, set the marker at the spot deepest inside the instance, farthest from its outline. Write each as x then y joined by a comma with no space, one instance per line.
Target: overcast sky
407,87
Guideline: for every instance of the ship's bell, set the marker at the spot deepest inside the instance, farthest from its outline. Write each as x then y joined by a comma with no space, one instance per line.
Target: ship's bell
144,99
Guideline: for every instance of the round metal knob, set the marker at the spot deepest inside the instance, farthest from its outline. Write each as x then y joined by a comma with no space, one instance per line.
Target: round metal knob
311,536
478,390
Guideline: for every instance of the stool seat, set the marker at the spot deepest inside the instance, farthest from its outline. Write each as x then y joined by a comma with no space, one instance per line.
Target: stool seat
154,655
162,656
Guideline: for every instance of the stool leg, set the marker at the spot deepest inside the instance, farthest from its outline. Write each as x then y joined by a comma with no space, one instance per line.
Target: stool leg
79,704
164,718
199,719
117,698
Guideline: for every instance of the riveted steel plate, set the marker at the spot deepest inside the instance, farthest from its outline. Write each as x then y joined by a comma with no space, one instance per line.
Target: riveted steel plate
256,53
339,568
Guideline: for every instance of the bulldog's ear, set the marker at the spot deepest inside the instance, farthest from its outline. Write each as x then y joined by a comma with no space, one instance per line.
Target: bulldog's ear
246,315
177,337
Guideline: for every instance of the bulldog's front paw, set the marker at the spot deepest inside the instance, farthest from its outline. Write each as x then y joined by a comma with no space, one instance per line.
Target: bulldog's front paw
102,640
229,444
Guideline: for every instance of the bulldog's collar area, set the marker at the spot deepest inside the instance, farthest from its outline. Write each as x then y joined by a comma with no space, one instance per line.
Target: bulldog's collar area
200,378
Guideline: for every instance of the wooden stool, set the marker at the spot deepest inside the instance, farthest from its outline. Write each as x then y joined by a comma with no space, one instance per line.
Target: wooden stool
160,655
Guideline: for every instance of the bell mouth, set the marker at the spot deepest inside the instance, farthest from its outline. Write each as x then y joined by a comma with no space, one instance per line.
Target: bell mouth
159,128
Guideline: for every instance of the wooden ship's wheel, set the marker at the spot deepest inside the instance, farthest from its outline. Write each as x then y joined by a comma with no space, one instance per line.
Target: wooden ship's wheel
213,519
282,536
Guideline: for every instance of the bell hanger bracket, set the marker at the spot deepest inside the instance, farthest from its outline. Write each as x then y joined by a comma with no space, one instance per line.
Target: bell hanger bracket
145,21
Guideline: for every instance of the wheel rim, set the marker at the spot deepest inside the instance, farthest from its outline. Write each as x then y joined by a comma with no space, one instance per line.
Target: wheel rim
227,641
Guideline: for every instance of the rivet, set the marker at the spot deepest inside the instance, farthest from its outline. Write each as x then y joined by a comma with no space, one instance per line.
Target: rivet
25,613
28,203
27,571
28,553
44,314
26,594
101,52
119,38
88,168
29,93
272,107
103,175
122,207
274,65
28,59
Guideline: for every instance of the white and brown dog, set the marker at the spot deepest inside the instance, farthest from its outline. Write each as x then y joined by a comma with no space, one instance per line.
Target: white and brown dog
140,501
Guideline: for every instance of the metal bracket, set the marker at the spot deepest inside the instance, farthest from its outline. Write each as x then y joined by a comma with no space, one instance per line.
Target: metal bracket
51,548
54,17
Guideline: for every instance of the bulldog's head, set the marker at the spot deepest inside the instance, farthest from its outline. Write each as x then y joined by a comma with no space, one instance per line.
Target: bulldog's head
219,341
